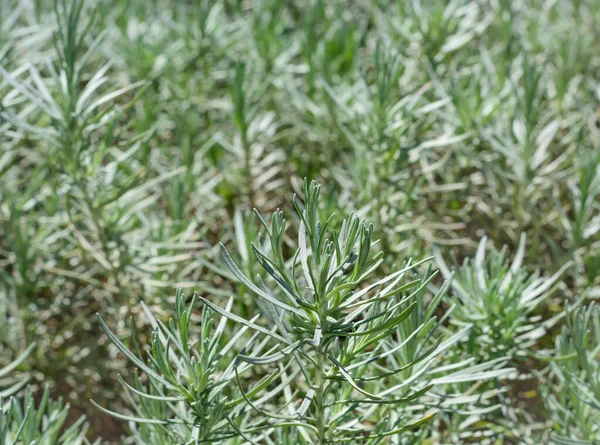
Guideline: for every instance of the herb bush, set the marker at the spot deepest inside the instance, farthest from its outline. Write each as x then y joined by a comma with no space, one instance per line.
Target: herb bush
342,347
136,141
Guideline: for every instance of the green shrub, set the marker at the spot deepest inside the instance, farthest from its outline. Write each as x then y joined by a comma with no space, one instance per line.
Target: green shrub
348,356
574,396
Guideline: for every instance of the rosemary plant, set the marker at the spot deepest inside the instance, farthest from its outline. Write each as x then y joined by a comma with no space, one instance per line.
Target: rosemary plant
499,300
21,422
188,384
330,325
355,350
574,397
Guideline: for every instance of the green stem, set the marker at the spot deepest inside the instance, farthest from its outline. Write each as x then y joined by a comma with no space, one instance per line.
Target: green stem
320,420
320,398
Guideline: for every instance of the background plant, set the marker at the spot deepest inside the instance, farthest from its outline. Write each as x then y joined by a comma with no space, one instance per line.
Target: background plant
573,401
500,301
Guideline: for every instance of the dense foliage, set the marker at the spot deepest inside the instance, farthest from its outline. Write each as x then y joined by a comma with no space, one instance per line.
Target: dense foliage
142,145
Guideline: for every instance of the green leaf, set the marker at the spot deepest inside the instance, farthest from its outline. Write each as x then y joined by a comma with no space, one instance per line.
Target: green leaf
132,418
243,321
129,355
250,285
351,381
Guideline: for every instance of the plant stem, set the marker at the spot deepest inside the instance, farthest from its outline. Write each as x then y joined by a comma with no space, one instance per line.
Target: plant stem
320,397
320,420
